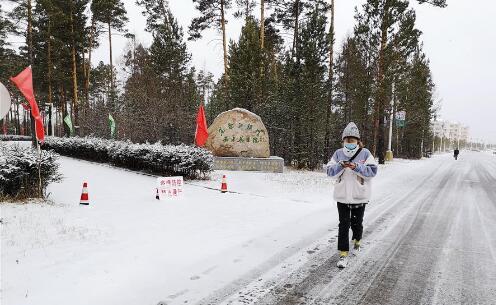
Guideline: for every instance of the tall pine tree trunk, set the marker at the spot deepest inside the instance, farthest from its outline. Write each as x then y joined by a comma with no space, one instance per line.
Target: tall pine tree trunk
262,23
381,90
296,26
75,106
88,67
111,64
327,144
224,39
49,61
34,142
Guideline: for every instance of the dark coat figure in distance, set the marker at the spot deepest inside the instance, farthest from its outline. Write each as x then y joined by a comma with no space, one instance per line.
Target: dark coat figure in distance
456,153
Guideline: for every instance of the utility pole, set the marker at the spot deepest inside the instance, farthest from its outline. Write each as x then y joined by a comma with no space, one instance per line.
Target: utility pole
434,142
442,136
422,146
389,152
458,137
34,141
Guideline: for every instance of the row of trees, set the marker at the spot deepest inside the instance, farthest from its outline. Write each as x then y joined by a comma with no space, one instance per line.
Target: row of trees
284,67
306,95
156,100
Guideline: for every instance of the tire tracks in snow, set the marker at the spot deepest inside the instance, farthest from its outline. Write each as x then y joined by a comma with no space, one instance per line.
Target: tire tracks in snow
401,277
406,268
260,286
467,272
328,285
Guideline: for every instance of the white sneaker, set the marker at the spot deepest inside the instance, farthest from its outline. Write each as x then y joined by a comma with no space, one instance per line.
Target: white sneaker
342,262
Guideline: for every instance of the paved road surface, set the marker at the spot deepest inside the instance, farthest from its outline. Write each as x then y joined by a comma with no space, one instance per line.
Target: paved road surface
432,242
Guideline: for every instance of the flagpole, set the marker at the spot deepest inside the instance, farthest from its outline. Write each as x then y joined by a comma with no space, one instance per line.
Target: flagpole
24,82
196,128
40,189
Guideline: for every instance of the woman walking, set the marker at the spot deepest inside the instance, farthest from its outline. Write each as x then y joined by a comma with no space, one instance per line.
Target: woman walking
353,166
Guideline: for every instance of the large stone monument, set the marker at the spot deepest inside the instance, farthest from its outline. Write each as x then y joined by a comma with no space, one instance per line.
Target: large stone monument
239,141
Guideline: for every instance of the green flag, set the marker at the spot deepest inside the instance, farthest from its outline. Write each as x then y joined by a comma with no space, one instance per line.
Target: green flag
68,122
112,125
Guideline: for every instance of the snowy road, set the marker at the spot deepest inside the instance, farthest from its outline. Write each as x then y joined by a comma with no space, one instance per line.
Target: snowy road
433,242
430,238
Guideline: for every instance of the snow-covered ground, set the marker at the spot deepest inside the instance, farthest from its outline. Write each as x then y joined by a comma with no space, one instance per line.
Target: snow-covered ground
129,248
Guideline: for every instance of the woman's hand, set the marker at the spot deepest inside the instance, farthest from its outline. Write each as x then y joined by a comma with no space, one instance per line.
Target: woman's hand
349,165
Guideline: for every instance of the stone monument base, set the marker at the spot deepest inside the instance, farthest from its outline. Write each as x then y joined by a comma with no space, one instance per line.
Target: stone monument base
272,164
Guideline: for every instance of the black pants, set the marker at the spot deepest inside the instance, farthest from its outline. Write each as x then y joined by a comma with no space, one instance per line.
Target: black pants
350,215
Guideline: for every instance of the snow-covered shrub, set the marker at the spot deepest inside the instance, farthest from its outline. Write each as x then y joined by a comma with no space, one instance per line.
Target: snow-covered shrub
168,160
14,138
19,175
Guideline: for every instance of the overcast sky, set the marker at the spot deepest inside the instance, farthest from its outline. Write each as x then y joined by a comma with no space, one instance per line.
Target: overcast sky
459,40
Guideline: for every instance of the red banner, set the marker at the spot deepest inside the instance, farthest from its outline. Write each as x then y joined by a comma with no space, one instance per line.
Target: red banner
201,134
24,81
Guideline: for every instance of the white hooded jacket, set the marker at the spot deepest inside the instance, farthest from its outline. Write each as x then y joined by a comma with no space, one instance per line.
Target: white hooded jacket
352,186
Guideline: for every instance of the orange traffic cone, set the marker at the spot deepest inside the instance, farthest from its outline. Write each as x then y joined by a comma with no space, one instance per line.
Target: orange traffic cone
223,187
84,195
157,196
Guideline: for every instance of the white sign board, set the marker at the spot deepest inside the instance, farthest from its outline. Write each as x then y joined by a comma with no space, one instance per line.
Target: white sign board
170,187
400,115
4,101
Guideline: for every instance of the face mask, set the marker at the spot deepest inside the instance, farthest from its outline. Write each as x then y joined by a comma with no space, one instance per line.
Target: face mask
350,146
350,149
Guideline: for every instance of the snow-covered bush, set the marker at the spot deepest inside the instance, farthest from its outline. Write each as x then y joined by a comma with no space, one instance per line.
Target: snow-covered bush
168,160
19,176
14,138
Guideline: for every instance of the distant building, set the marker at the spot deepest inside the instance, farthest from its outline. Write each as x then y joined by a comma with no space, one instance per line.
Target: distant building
450,133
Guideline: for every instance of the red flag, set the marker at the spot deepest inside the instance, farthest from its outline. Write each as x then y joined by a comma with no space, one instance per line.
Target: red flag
24,81
201,134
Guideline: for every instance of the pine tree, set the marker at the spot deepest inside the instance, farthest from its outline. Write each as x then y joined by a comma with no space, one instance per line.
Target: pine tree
262,23
140,97
161,92
314,48
352,92
94,32
169,55
290,13
59,31
327,146
245,8
205,83
213,14
156,13
298,123
6,28
219,101
10,62
113,14
415,96
22,14
245,60
387,25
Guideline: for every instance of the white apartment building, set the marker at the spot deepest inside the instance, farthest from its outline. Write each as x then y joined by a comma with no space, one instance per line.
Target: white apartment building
451,132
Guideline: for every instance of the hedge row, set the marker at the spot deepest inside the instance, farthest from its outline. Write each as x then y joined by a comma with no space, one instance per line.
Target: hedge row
14,138
19,176
167,160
